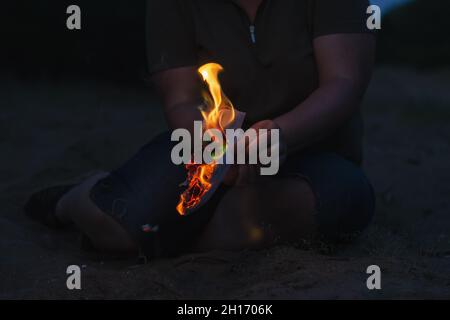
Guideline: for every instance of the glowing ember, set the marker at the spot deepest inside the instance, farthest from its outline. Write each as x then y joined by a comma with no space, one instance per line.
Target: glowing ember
218,114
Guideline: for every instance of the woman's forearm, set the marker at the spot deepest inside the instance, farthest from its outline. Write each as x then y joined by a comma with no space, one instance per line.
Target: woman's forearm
344,62
325,110
181,96
183,115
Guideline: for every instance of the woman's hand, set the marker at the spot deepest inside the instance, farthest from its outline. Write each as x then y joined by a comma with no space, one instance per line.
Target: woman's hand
243,174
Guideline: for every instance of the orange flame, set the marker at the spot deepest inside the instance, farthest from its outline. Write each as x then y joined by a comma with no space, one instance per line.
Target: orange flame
218,114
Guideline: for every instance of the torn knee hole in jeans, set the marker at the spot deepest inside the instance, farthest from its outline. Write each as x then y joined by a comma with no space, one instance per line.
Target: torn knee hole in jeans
316,195
119,208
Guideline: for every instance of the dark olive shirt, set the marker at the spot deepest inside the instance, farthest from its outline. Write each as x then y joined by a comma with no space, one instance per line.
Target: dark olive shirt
269,63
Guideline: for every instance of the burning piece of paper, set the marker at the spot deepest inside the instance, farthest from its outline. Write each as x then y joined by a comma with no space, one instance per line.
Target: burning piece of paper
219,113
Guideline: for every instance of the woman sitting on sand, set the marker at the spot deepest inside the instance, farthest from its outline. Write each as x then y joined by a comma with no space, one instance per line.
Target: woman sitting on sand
298,66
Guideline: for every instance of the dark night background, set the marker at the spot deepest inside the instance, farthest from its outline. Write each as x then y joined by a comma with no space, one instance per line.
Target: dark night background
111,42
75,101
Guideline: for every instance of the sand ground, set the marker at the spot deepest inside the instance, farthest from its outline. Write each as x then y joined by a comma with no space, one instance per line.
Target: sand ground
51,133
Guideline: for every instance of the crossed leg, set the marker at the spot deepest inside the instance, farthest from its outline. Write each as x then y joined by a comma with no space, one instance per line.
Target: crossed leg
104,232
247,217
258,215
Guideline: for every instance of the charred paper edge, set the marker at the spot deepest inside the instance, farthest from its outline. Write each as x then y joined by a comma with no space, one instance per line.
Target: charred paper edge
222,169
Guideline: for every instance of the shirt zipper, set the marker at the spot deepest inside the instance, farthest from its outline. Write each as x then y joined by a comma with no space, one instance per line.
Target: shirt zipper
253,33
252,26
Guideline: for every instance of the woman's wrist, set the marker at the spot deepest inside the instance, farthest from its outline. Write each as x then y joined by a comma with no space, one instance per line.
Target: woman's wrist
284,150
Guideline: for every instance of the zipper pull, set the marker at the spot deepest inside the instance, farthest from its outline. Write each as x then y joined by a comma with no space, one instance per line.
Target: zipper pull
252,34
